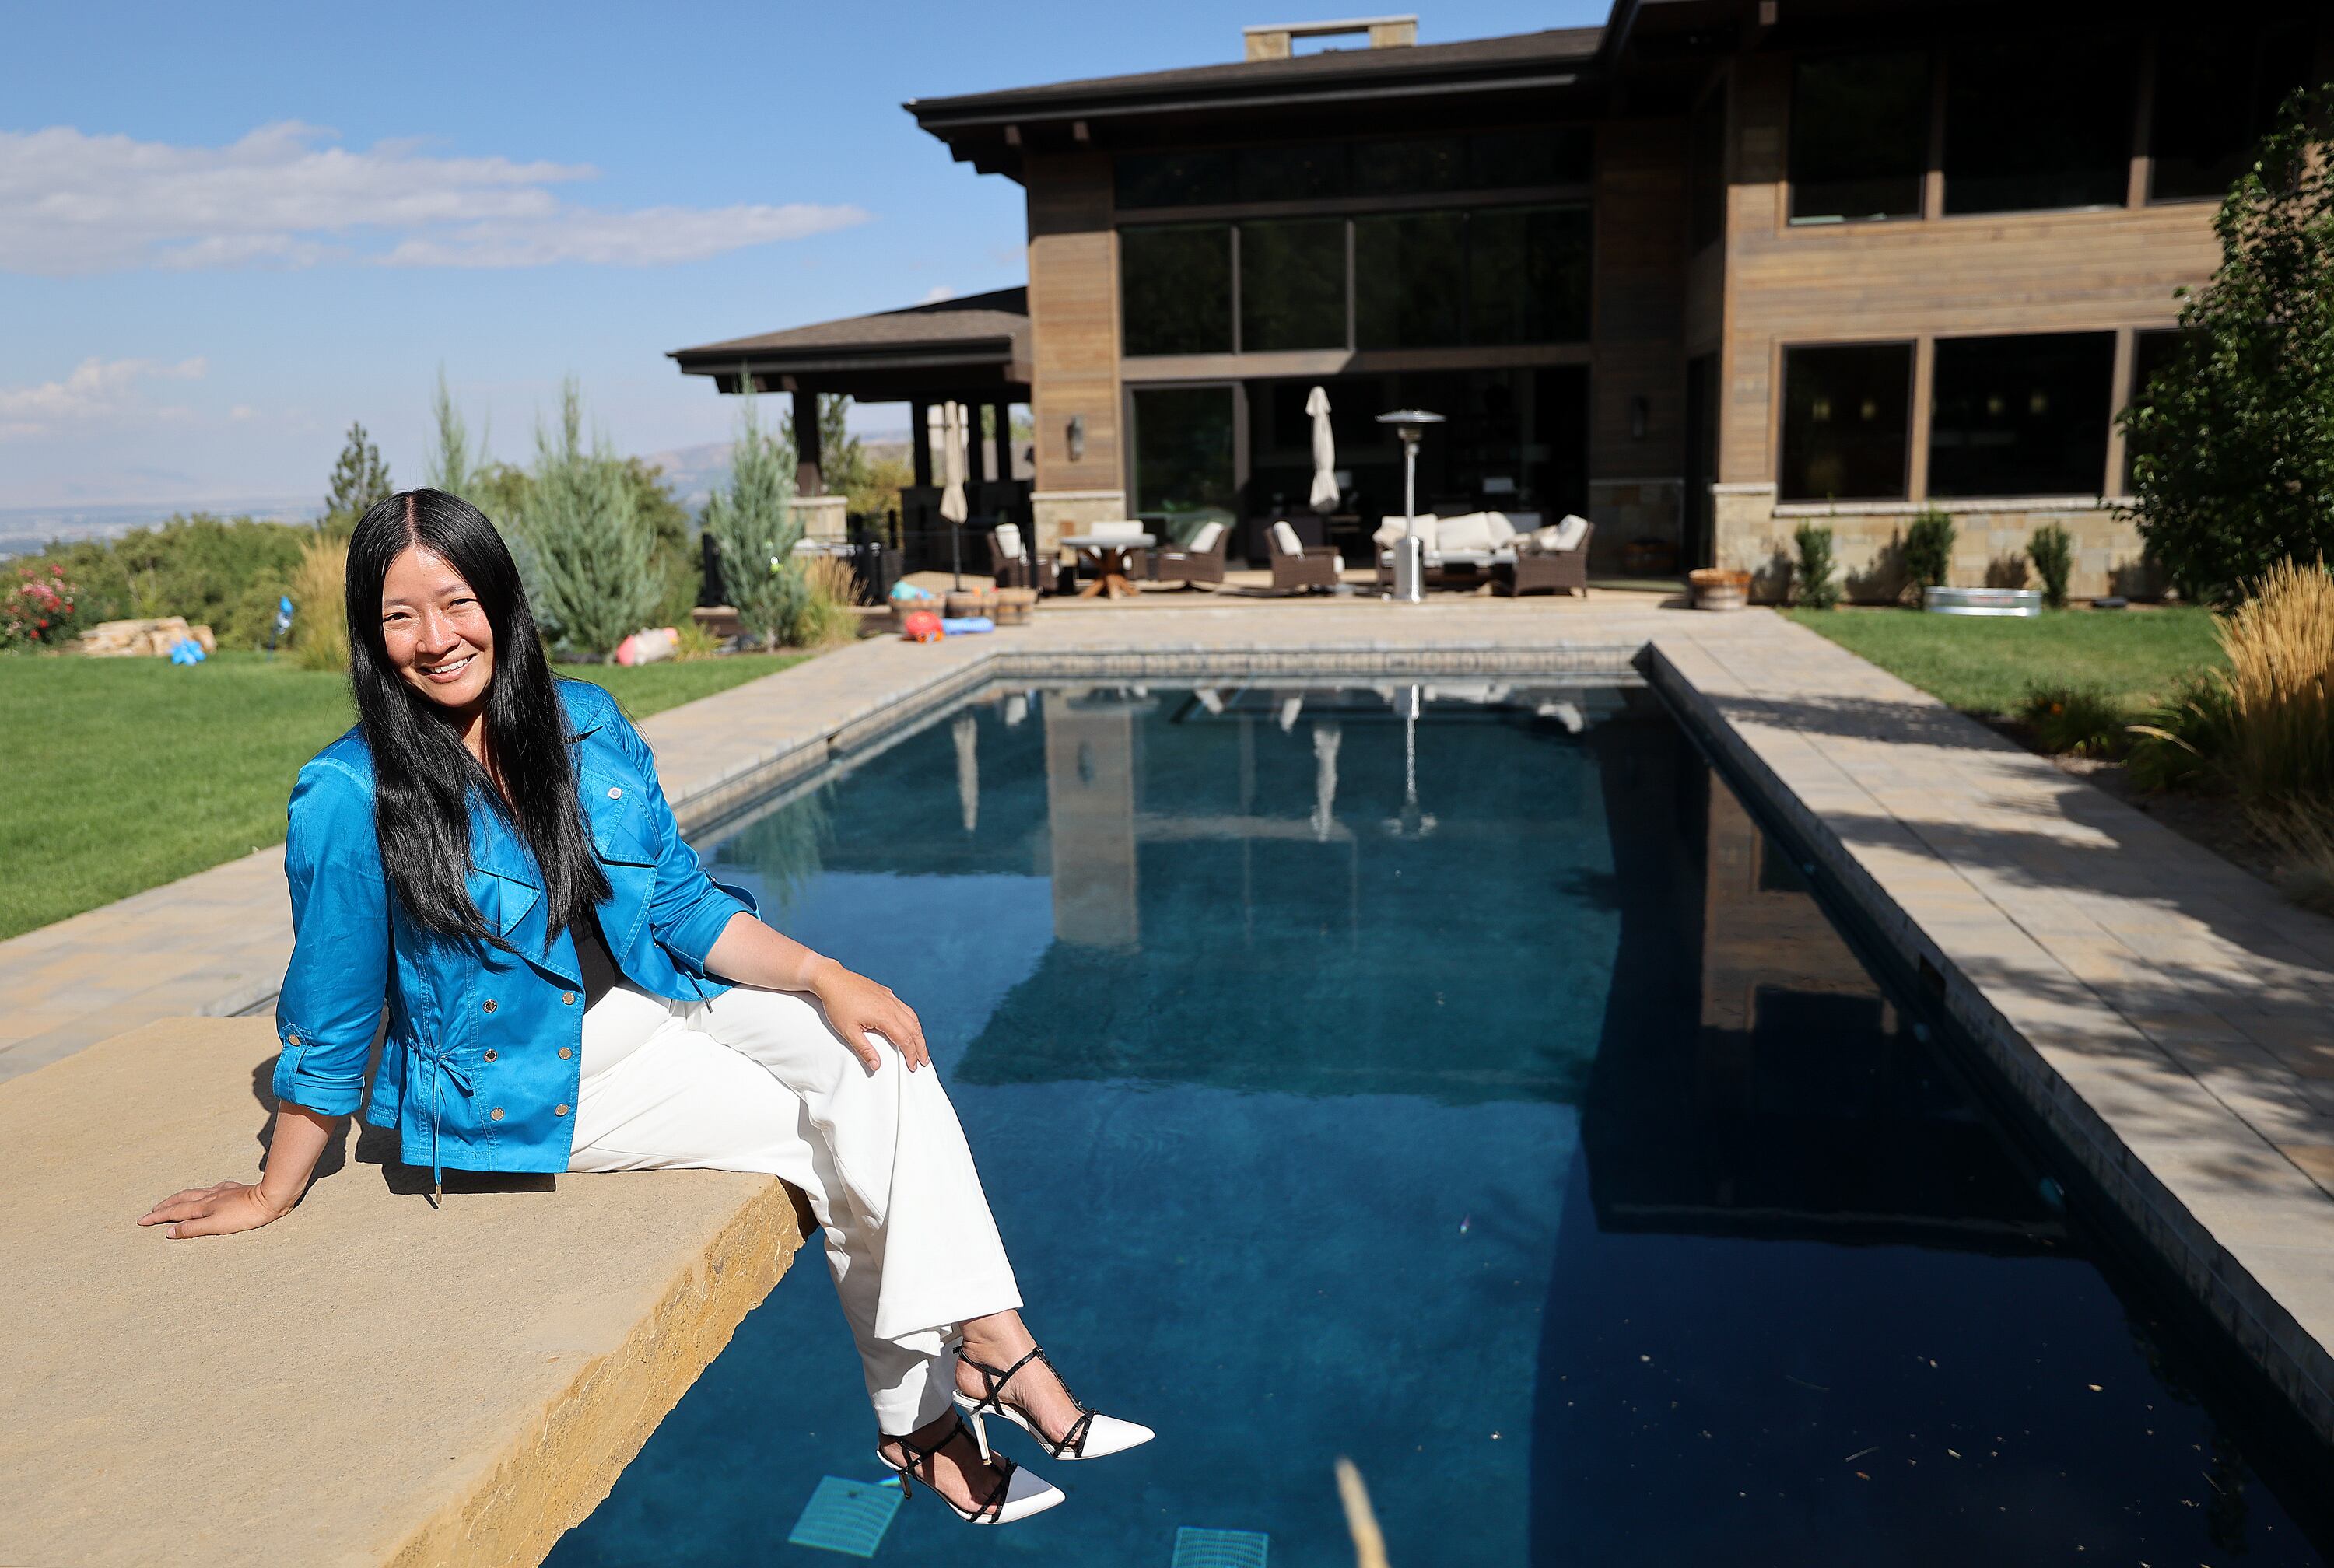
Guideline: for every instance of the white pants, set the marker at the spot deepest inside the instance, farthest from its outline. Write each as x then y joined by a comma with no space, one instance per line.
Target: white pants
756,1080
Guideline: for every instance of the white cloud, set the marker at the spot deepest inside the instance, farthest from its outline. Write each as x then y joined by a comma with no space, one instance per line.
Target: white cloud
285,195
936,294
96,390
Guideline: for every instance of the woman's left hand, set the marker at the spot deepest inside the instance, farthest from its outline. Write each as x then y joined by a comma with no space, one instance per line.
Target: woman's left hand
856,1005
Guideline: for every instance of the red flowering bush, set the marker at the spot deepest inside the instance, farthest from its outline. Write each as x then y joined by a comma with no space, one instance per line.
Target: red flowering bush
39,610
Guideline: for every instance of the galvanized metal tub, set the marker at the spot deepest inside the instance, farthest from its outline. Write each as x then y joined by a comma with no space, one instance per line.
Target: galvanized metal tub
2019,601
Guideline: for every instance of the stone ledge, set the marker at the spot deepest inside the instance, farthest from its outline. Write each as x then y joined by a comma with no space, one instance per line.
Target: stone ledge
366,1381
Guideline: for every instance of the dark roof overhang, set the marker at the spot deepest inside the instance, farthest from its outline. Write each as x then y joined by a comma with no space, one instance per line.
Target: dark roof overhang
975,347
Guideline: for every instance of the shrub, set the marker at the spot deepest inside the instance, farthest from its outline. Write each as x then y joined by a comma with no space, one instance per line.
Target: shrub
1818,590
2231,441
220,572
1929,550
2076,720
826,615
320,618
2264,726
693,642
588,558
754,527
41,608
2052,551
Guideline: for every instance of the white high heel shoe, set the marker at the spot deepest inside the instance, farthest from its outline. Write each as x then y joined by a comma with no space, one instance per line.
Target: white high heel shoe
1017,1494
1090,1437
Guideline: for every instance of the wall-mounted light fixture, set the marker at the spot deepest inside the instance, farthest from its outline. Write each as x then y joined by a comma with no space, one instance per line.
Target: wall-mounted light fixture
1639,411
1077,435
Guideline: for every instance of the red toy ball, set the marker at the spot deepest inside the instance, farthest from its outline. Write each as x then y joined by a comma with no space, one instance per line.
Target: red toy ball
920,626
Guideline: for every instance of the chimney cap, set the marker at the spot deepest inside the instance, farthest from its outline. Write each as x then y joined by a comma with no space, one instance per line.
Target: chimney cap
1274,41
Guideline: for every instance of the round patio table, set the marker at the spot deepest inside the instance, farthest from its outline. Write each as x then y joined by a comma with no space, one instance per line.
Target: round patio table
1108,552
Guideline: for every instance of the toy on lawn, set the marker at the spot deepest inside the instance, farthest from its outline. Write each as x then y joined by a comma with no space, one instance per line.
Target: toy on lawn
920,626
188,651
651,645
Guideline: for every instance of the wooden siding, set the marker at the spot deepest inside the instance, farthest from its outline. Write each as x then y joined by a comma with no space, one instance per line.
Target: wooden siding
1916,279
1639,217
1074,319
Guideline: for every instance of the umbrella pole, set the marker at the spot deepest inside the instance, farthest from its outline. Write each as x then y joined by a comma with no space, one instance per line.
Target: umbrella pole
956,552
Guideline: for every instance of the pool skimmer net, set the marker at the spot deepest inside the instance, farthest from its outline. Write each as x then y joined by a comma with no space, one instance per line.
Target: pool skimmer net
1220,1548
851,1516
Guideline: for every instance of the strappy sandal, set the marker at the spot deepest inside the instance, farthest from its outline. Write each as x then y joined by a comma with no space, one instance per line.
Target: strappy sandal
1017,1494
1090,1437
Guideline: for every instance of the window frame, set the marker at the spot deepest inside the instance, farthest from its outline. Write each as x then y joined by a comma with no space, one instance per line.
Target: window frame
2114,398
1933,88
1782,412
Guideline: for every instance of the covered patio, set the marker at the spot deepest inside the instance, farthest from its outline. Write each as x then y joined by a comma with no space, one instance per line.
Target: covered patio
973,350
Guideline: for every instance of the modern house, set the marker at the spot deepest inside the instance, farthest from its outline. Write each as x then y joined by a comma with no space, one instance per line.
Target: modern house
1711,269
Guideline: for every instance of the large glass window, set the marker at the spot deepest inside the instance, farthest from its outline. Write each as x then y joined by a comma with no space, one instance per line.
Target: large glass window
1175,289
2151,355
1416,166
1175,179
1504,160
1847,430
1183,471
1293,284
2215,93
1859,135
1528,274
2022,416
2038,122
1306,172
1409,274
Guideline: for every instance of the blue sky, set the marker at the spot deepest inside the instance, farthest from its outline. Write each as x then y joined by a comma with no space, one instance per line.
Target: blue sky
227,231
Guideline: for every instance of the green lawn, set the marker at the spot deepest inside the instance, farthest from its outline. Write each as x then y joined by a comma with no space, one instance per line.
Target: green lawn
1985,666
125,773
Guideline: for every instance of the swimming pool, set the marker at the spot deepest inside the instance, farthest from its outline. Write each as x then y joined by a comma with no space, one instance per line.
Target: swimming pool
1454,1077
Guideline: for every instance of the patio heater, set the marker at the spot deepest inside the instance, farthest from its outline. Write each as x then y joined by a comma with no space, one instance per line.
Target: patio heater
1409,573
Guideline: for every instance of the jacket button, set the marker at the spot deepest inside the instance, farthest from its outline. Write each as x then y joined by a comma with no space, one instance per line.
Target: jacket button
566,1052
496,1114
292,1040
559,1110
490,1004
490,1056
615,794
568,997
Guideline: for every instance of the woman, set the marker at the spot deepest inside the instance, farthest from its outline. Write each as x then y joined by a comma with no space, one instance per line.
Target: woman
488,852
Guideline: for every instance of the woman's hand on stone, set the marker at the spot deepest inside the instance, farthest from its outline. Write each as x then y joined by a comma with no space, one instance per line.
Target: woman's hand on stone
856,1006
219,1210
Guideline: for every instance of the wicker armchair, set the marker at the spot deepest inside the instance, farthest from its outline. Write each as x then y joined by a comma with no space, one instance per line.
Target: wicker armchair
1297,566
1547,571
1201,560
1009,557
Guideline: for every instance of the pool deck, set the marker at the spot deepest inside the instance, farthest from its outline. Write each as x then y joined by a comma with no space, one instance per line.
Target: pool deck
2160,1013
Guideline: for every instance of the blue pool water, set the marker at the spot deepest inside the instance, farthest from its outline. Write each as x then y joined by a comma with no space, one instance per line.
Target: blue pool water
1481,1095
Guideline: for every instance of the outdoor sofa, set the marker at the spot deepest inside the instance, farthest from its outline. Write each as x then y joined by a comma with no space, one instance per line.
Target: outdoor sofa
1009,557
1516,552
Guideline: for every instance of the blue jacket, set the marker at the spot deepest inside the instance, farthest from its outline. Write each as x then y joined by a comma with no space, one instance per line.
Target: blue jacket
483,1052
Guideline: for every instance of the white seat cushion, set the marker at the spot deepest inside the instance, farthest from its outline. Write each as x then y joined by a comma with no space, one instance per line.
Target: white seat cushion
1502,529
1571,531
1205,539
1390,530
1467,533
1285,541
1121,529
1008,541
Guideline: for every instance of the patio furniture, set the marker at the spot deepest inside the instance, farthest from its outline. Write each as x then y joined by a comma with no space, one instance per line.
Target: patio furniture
1548,560
1201,560
1008,558
1252,537
1111,550
1462,551
1297,565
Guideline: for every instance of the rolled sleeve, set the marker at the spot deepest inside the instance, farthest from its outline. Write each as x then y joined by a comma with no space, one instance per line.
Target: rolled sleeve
337,978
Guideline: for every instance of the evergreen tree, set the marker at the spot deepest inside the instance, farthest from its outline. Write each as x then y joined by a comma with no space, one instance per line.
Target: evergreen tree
588,554
2232,442
754,527
359,479
455,466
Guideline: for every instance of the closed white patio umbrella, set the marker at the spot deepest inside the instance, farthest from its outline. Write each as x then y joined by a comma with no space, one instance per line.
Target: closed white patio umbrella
952,506
1324,454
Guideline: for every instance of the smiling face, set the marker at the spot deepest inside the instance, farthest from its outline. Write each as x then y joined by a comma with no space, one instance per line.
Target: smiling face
435,630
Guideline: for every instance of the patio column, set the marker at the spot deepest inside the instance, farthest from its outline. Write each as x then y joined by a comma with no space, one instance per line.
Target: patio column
807,479
1005,440
920,440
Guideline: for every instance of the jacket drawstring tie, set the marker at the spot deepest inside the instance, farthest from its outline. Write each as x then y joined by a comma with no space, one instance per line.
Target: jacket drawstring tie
447,1068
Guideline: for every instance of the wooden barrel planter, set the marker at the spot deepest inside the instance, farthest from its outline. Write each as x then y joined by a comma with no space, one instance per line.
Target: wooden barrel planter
1716,588
1014,605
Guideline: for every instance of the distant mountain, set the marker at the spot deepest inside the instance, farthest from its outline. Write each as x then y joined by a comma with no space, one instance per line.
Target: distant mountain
694,473
26,529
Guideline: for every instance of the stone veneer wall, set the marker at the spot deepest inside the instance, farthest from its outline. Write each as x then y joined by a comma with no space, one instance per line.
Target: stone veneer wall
1754,533
824,516
1060,512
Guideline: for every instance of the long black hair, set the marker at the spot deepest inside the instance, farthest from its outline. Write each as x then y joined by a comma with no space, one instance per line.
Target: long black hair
424,777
